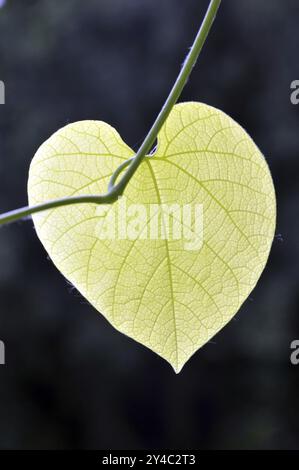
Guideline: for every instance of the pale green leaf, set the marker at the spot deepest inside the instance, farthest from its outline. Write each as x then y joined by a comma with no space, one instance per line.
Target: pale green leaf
170,299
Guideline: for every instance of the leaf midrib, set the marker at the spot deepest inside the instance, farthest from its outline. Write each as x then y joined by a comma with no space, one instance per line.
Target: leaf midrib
168,259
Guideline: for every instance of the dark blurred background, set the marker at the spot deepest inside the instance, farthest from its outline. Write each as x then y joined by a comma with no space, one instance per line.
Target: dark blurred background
71,381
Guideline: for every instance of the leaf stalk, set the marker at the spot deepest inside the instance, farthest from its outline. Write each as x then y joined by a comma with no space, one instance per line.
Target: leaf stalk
115,190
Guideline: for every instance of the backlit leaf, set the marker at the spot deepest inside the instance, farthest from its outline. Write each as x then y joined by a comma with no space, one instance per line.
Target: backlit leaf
168,297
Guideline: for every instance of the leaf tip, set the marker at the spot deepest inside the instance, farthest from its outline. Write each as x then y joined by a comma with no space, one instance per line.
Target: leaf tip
177,367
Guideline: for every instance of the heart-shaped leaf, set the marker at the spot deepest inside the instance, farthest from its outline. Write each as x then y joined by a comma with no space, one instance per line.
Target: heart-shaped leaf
169,297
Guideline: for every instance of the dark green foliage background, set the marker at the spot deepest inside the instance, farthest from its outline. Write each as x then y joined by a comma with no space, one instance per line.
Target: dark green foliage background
71,381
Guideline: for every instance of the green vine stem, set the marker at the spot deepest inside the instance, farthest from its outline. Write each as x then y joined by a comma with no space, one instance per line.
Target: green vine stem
115,190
